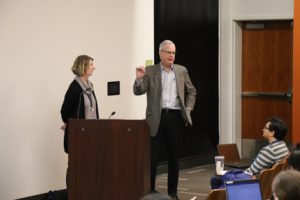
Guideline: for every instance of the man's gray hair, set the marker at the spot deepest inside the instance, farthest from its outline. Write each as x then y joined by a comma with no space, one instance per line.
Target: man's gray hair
165,42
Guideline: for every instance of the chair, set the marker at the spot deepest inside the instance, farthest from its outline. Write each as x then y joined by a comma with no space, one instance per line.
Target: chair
279,166
230,151
286,164
265,179
217,194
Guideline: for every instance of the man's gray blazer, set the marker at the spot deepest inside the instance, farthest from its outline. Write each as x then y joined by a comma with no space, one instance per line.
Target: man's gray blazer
151,84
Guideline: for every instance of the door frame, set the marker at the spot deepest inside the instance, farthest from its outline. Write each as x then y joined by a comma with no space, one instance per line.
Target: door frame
236,59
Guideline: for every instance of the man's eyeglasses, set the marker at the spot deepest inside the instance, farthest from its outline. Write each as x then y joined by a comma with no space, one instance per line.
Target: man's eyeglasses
170,52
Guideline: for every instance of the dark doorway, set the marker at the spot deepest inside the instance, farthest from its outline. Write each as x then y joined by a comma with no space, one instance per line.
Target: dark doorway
193,26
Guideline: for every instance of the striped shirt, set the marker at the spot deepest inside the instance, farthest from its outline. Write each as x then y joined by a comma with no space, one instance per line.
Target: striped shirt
268,156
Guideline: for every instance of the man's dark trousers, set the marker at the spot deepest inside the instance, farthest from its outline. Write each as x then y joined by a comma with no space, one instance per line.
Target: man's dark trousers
170,127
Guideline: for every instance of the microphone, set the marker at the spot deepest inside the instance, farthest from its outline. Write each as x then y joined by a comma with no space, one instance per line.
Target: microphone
113,113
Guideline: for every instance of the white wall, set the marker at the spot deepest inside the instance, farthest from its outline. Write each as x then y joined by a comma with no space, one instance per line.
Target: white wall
39,41
232,12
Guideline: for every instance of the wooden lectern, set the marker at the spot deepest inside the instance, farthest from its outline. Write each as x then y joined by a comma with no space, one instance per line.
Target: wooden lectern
108,159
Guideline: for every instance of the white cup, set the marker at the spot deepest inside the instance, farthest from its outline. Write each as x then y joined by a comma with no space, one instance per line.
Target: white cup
219,160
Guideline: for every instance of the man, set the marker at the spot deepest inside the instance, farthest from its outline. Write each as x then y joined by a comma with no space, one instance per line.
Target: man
170,99
274,131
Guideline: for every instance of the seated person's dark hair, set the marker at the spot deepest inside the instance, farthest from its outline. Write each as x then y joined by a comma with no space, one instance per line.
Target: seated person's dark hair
278,126
294,158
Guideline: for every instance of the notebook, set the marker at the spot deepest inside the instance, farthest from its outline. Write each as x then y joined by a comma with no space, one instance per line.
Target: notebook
243,190
241,164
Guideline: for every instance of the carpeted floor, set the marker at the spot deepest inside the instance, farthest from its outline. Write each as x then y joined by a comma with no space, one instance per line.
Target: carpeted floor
193,182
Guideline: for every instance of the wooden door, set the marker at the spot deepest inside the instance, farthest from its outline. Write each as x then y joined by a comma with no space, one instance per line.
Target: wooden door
266,75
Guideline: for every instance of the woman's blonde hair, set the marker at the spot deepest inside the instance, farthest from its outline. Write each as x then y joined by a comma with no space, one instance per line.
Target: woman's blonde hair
80,65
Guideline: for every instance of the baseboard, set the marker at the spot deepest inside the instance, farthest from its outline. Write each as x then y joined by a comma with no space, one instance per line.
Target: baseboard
36,197
56,194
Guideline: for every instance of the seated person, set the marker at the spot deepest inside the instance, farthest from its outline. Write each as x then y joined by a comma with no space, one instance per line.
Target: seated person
286,185
274,132
294,158
293,161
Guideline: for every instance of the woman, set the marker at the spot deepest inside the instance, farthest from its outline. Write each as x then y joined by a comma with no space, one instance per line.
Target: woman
286,185
80,100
